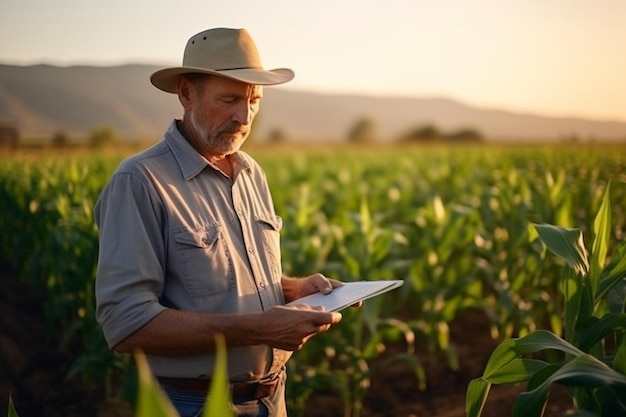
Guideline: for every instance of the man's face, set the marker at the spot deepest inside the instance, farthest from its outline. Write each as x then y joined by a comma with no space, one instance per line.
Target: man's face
221,112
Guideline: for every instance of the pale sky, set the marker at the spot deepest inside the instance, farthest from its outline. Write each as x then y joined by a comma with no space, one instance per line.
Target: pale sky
552,57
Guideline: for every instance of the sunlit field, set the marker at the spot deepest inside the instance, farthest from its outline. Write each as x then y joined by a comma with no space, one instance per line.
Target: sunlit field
452,222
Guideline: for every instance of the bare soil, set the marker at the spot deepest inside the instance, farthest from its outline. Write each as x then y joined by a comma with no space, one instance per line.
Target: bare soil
34,373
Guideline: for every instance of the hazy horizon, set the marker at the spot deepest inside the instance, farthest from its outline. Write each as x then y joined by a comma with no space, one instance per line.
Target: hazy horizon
561,58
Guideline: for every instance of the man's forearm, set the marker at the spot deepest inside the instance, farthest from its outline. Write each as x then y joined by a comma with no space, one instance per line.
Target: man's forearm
179,333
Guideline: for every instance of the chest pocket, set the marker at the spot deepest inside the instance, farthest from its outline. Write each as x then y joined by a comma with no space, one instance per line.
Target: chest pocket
206,266
269,227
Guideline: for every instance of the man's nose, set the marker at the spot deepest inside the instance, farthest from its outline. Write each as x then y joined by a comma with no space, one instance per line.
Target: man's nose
243,114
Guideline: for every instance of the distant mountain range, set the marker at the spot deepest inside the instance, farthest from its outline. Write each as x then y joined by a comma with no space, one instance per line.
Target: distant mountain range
43,100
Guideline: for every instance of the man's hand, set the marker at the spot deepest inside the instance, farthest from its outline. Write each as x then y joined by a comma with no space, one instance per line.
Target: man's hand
295,288
289,328
318,283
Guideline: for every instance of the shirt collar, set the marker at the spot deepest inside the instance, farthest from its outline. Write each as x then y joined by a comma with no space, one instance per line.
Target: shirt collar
190,162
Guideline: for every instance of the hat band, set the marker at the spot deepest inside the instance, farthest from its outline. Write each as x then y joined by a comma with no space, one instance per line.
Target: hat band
238,68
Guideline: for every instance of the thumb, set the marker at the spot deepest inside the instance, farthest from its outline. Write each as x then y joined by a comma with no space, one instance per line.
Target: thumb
335,317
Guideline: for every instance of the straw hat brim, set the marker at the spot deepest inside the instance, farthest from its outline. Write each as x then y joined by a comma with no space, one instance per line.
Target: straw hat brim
167,79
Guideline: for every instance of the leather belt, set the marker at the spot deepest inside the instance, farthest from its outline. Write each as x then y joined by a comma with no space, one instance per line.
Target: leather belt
252,390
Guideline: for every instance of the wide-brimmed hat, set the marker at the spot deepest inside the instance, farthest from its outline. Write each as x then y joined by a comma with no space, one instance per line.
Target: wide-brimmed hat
225,52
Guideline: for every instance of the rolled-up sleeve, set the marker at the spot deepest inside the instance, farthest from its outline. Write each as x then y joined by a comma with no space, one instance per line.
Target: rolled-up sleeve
130,272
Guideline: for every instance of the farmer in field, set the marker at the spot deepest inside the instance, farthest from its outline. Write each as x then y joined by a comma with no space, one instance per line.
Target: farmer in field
189,241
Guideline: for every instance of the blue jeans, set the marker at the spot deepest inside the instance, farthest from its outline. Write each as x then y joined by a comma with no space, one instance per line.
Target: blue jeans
191,404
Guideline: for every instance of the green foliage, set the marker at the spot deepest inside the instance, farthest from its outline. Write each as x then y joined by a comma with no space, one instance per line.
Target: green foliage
452,222
218,400
593,364
153,402
11,412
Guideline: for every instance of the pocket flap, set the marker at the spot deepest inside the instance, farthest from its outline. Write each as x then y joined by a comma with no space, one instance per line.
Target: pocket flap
275,222
198,239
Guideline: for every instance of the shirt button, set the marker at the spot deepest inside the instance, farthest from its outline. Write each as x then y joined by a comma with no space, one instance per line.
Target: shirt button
250,250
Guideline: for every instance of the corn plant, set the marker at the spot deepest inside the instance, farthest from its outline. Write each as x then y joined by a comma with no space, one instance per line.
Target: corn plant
592,360
11,412
342,362
451,221
153,402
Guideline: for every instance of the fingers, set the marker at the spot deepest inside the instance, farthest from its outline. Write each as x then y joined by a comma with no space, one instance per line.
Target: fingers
327,318
291,327
323,284
320,316
335,317
335,283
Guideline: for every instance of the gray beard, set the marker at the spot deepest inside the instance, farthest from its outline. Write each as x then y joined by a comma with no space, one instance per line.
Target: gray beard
215,143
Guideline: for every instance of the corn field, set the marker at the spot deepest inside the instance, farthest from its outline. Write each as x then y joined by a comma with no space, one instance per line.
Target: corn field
452,222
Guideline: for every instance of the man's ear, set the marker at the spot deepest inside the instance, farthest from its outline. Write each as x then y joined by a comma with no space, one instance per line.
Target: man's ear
185,92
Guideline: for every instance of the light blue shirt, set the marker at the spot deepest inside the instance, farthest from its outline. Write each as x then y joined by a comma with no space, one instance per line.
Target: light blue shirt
175,232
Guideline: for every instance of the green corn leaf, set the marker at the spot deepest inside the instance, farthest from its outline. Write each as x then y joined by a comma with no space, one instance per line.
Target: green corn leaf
12,412
517,370
500,357
218,400
572,289
619,361
594,333
151,401
602,235
366,217
541,376
585,314
614,273
475,397
583,371
542,339
587,371
566,243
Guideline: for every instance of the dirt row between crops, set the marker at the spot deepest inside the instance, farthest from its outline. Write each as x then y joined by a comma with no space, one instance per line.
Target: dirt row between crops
34,372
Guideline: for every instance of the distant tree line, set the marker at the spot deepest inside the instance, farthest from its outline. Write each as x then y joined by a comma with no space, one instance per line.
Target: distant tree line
99,137
364,131
429,133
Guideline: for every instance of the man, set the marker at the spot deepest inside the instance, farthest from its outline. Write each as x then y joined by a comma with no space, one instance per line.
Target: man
189,241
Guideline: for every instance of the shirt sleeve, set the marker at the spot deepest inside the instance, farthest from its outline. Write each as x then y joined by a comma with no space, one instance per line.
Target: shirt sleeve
130,272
